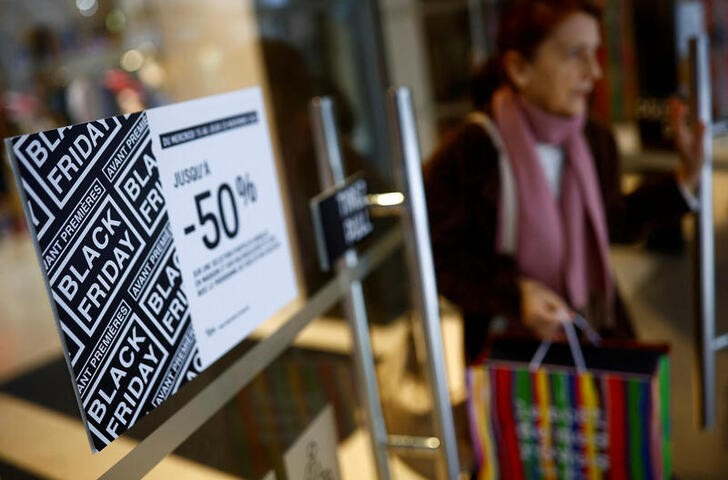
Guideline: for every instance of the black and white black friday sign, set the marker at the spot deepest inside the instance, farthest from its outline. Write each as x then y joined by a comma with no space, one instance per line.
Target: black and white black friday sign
162,240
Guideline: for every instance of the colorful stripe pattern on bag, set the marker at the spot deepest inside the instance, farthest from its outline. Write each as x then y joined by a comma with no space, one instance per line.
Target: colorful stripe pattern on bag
617,427
589,418
558,424
509,454
563,431
543,400
478,382
527,430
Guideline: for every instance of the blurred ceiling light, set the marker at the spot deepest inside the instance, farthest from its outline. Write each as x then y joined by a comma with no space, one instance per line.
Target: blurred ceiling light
210,58
87,7
132,60
152,74
115,21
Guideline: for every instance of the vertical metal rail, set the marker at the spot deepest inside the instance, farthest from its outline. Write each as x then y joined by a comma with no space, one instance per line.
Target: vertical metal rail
331,173
408,167
700,109
479,42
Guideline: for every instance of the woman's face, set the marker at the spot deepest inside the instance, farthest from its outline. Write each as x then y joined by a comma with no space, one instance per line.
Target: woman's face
562,72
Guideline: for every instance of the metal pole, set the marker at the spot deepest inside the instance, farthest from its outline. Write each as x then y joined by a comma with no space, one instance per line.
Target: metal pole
408,167
331,173
479,43
700,107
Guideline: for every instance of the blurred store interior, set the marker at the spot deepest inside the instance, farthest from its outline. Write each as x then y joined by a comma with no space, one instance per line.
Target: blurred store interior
69,61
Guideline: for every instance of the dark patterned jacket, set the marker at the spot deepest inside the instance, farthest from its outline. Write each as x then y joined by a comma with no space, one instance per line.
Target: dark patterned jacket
462,185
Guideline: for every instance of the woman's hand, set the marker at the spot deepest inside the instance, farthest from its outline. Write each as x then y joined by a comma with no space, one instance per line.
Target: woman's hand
542,310
688,143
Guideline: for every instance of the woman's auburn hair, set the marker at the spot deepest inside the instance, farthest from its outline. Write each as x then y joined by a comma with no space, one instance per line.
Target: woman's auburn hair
524,25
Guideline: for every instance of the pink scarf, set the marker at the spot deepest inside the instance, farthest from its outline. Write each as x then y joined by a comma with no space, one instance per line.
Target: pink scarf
562,243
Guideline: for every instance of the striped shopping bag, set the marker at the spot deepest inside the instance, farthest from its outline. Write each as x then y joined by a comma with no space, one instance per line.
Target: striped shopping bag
554,421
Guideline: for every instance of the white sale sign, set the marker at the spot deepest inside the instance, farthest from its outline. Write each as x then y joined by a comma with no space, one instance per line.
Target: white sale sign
218,176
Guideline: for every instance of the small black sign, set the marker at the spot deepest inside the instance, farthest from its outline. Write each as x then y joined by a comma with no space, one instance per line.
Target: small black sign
341,219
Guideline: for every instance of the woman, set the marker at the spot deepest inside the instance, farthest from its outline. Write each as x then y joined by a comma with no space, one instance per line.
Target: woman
535,91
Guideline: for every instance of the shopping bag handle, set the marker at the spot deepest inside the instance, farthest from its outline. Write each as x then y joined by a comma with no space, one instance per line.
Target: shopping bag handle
573,341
